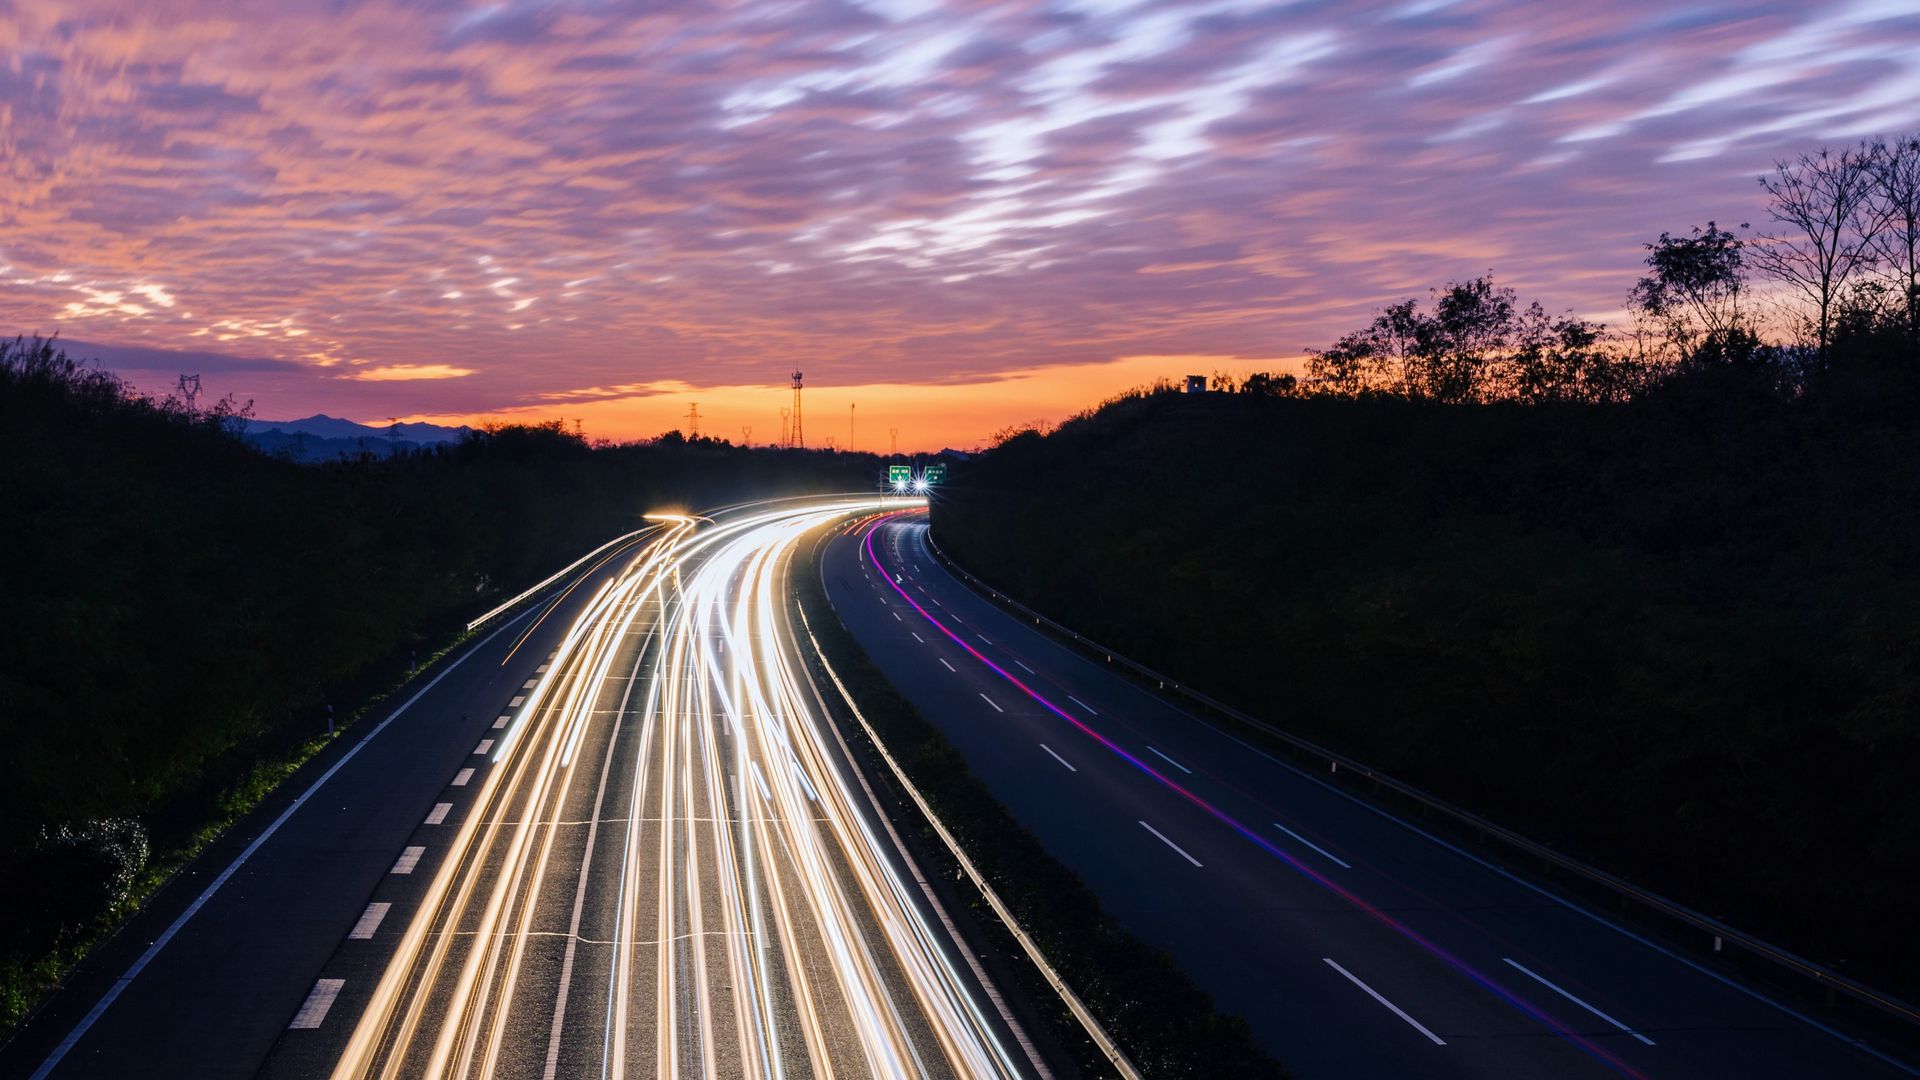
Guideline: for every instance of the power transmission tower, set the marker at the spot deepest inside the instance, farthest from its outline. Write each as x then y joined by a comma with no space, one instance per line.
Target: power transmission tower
746,435
190,390
393,435
849,427
785,416
693,421
893,442
799,438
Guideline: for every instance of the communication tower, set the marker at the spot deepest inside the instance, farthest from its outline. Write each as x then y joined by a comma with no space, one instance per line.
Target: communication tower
797,437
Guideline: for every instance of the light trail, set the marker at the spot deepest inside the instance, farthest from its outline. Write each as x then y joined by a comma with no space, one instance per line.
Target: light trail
751,920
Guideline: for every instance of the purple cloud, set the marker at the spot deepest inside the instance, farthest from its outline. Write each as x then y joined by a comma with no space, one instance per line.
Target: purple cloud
562,196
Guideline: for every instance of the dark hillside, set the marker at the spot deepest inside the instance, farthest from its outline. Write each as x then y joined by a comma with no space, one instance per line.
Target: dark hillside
1679,636
180,607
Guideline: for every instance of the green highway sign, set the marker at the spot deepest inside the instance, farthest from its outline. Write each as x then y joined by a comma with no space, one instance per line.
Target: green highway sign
899,475
934,474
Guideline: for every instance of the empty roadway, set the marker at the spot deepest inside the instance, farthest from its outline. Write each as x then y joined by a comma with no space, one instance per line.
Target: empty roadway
1355,944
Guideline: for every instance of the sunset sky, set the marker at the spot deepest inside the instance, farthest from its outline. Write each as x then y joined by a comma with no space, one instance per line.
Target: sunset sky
957,215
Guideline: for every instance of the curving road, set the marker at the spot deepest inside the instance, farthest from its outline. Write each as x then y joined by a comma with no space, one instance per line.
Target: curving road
1356,944
644,855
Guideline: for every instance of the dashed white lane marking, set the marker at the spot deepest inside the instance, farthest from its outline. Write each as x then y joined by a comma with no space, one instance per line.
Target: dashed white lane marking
1524,970
918,638
983,638
408,859
989,701
1058,758
529,684
897,618
317,1004
1169,843
1167,759
369,921
1375,995
1342,863
1083,705
515,703
541,668
950,667
439,813
460,778
485,745
502,722
120,985
1025,668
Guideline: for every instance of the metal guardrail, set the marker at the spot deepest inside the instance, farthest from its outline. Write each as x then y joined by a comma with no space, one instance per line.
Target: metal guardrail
1095,1030
1722,935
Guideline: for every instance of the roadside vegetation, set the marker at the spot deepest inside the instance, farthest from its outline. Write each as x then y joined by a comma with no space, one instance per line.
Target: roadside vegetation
1166,1025
1648,594
181,609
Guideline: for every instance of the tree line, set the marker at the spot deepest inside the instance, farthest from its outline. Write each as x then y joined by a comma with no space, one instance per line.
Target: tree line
1827,292
1646,594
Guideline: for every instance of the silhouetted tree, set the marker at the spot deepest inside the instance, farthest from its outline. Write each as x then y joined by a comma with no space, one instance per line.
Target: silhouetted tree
1895,203
1476,345
1831,221
1694,292
1267,384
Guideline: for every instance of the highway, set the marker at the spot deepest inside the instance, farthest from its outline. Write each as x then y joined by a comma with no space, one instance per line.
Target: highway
617,838
1355,943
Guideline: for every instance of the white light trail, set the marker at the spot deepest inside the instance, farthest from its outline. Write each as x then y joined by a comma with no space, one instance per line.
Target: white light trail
759,924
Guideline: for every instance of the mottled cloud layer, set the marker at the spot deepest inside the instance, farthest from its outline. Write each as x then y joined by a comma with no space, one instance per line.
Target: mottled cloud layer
459,207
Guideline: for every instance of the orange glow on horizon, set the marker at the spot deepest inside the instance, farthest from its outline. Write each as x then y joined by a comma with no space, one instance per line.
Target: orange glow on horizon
962,416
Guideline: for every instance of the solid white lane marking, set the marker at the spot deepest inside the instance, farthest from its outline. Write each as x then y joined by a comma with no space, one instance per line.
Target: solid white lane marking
918,638
120,985
1166,759
1058,758
1337,859
369,920
989,701
1375,995
515,703
460,778
408,859
529,684
950,667
485,745
1086,706
1169,843
317,1004
1535,976
502,722
439,813
1025,668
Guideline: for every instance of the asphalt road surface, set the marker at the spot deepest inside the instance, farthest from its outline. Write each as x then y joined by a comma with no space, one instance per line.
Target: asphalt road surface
616,838
1356,944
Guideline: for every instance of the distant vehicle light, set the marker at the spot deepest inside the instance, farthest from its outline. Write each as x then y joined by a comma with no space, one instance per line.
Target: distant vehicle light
919,485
